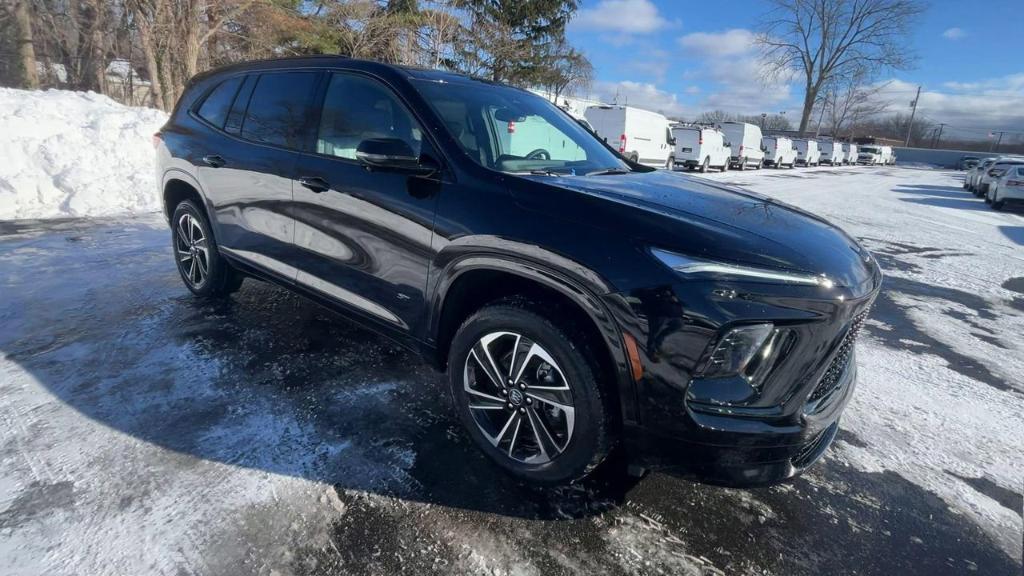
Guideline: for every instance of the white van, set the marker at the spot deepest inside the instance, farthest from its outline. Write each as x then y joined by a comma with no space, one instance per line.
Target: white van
831,152
850,153
745,141
875,155
807,152
701,147
779,151
640,135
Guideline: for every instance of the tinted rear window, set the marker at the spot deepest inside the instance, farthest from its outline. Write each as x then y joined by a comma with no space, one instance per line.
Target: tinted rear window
215,108
278,108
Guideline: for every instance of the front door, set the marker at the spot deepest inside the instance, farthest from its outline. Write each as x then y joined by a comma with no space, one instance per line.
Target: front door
364,237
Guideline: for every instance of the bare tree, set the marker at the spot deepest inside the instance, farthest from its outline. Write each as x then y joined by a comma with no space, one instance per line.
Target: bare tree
850,101
26,47
821,40
567,70
714,117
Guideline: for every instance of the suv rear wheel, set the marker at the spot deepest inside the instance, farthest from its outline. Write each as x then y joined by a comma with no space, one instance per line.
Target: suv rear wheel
202,268
527,392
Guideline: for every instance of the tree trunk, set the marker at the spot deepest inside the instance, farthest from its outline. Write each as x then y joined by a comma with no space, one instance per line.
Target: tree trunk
26,48
810,96
152,69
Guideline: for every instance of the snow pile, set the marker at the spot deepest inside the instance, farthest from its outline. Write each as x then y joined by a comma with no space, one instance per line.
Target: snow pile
75,154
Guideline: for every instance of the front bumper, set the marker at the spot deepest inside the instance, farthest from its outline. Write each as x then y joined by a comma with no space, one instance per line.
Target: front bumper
715,430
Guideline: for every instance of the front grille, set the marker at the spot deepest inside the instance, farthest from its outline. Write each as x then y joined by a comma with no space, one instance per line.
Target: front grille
833,375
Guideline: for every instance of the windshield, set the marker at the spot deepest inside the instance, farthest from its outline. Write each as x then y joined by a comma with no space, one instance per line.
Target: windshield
869,150
514,131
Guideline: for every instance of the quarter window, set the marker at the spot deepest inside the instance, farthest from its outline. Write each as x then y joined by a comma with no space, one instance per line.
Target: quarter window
278,108
357,109
215,108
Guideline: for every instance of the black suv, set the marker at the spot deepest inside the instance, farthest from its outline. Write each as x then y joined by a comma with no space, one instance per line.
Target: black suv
580,303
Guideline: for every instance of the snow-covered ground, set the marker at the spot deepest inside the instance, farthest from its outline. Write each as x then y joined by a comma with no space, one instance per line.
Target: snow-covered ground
75,154
934,416
142,431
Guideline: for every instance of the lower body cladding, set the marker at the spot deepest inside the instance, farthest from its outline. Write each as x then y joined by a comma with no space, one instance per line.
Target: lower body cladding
764,423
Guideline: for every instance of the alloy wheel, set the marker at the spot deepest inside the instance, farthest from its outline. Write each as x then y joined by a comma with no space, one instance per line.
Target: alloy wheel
519,397
192,250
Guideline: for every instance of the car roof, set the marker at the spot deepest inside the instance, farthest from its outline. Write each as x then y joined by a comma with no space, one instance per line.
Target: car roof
334,60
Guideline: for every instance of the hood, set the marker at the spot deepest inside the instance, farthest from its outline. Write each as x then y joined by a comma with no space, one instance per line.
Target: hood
708,220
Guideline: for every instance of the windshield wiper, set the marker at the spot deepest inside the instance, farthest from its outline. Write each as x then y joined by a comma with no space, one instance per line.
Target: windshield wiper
544,173
608,172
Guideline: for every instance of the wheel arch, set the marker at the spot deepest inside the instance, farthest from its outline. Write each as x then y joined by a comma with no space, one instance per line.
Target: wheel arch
471,282
177,186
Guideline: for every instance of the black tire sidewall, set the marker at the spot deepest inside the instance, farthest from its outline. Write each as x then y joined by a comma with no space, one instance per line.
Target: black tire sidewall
589,443
219,271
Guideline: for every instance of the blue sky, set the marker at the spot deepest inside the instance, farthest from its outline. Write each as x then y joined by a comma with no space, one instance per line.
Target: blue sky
683,57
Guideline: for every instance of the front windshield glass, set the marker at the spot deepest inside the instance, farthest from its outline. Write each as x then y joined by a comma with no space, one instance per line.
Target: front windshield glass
869,149
517,132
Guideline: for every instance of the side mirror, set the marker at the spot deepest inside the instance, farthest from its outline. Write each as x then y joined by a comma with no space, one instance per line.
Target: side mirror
392,154
672,141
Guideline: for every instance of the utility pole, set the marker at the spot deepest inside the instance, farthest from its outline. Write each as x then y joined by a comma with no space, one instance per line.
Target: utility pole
995,145
938,137
910,125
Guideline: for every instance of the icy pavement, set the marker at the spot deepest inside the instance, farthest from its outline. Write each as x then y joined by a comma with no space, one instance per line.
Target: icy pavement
144,432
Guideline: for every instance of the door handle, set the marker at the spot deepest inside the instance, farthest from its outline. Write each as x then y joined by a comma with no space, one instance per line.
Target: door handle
214,160
314,183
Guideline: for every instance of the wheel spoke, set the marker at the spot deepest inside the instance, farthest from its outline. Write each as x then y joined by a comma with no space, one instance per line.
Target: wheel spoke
545,442
487,367
202,266
192,271
538,352
504,429
515,436
183,234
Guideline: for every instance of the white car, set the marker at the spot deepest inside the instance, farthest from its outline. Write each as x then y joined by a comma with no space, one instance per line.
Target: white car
639,135
993,172
807,152
972,176
745,141
779,151
701,147
1009,187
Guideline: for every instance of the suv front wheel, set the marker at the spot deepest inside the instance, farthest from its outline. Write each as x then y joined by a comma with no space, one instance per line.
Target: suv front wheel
527,392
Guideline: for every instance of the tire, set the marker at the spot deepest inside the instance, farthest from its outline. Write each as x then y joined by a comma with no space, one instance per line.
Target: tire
704,165
988,197
670,164
634,158
997,204
203,270
725,166
776,164
743,164
575,443
760,164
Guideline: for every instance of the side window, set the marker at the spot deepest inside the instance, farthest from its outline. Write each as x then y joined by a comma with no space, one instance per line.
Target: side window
214,108
278,108
235,117
358,108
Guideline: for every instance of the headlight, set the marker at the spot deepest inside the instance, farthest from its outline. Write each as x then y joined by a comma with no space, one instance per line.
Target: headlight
697,269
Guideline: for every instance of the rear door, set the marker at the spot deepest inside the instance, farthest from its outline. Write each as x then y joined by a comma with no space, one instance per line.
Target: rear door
364,236
247,173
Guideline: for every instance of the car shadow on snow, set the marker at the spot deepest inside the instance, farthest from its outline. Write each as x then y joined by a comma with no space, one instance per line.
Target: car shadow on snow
271,382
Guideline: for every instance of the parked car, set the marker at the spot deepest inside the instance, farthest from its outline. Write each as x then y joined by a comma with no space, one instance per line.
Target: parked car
700,147
779,151
579,303
850,153
831,152
640,135
1007,188
972,176
807,152
967,162
745,140
997,169
875,155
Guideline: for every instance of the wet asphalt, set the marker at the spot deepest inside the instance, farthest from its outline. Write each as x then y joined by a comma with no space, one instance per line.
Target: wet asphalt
94,312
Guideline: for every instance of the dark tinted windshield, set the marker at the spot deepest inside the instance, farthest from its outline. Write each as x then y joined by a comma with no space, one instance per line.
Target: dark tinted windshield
514,131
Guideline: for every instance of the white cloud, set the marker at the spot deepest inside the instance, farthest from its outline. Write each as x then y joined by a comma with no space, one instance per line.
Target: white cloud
640,94
729,43
970,108
954,33
621,16
731,61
